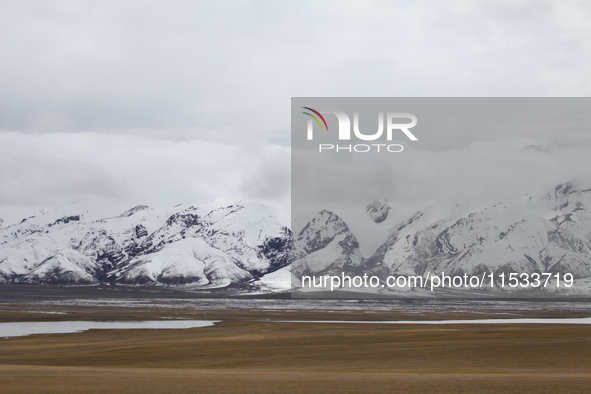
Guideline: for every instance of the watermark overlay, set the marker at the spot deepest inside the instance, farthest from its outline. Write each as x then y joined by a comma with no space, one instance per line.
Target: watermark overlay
427,196
317,120
433,282
344,130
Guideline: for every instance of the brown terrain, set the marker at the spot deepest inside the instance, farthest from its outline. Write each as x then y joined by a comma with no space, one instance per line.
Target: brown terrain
256,351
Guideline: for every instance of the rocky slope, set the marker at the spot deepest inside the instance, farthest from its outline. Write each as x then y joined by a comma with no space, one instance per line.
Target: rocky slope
325,246
203,246
245,244
546,231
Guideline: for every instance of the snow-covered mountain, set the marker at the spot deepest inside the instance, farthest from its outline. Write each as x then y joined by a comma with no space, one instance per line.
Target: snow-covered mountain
545,231
202,246
325,246
208,246
378,210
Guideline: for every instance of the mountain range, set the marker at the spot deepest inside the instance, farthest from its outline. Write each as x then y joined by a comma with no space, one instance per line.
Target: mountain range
247,245
203,246
547,231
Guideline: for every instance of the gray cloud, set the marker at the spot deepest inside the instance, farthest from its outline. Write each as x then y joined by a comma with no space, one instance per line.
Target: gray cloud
137,64
54,168
170,93
473,149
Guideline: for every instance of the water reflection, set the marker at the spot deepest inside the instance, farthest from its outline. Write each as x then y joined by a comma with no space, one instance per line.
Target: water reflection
64,327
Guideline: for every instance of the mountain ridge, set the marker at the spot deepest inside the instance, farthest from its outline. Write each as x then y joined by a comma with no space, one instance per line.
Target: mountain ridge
245,244
183,245
544,231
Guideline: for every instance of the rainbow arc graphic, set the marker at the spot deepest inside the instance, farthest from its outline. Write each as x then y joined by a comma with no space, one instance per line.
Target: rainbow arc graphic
316,118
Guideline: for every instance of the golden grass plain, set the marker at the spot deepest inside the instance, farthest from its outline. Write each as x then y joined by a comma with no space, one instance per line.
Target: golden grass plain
252,351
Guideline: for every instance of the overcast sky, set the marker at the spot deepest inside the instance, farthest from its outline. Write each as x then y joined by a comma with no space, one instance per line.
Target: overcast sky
161,102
